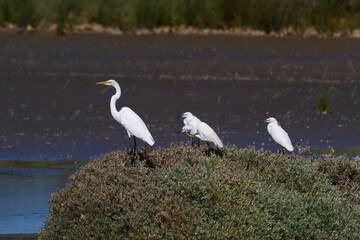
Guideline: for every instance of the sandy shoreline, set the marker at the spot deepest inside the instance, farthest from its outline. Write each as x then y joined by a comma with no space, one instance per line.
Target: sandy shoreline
91,28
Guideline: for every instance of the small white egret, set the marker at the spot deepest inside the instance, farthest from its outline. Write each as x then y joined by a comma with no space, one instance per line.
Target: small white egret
189,126
188,130
278,134
199,129
133,124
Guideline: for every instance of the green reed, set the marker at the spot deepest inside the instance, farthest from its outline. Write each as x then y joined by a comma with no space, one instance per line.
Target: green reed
266,15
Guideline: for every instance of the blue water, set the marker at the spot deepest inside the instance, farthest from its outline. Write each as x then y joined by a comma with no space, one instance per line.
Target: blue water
25,189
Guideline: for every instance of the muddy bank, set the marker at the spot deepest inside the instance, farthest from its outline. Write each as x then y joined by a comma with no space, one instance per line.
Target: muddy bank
92,28
51,107
19,236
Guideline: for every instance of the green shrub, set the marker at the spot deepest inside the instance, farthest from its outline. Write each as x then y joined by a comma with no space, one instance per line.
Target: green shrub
267,15
185,193
20,12
343,173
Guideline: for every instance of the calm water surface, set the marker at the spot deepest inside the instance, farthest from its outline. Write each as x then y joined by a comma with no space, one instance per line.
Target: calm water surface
26,187
51,109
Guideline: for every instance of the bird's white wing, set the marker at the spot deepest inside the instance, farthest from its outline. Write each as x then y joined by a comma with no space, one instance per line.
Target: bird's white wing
281,137
192,130
135,125
187,128
208,134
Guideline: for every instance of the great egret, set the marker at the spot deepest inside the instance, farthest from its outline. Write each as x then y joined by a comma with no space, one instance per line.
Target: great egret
278,134
133,124
199,129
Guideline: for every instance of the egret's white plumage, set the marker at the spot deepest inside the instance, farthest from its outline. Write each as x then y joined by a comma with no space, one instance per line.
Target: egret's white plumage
199,129
278,134
133,124
190,124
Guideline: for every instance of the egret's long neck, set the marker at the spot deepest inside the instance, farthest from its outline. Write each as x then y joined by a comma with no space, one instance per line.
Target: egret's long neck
113,100
271,125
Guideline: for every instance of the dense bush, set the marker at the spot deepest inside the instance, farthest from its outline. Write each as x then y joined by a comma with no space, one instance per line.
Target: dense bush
267,15
344,173
185,193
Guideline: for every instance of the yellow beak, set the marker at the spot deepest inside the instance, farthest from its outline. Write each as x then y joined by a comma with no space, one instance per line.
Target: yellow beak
103,82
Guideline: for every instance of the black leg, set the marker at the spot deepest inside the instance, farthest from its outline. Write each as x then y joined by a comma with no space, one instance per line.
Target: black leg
207,143
131,146
282,148
198,142
133,153
145,150
134,146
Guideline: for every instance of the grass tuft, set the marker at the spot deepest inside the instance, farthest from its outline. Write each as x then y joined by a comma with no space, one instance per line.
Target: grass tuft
182,192
322,102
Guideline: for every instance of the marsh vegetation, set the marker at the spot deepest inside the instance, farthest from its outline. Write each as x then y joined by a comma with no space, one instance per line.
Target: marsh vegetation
183,192
273,15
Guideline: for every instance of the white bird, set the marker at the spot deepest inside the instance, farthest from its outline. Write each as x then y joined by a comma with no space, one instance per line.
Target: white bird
199,129
133,124
278,134
189,127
